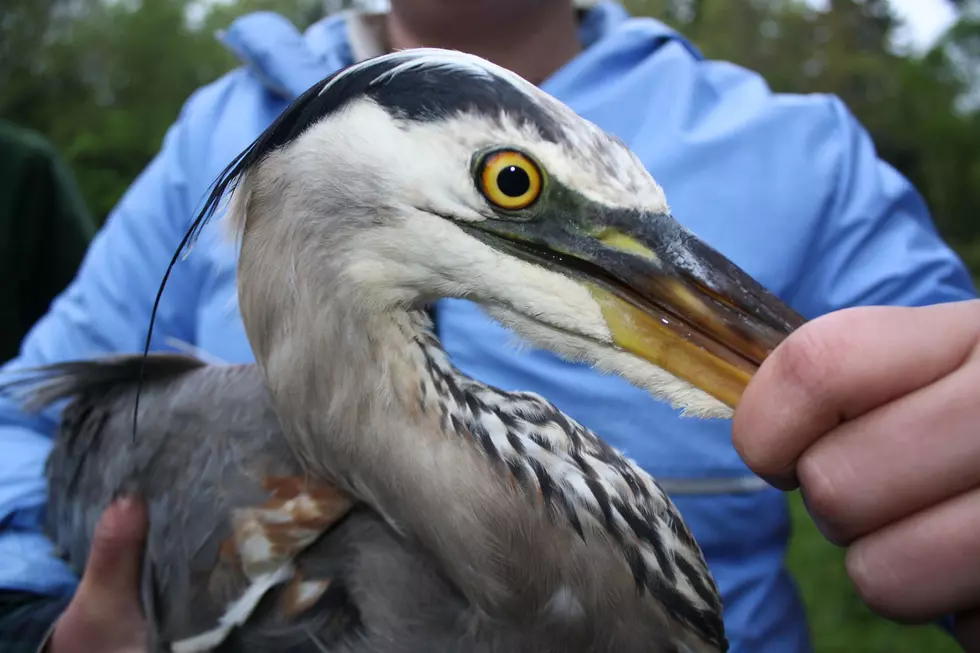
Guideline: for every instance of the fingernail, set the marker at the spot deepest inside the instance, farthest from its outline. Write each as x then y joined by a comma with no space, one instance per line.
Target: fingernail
125,513
126,502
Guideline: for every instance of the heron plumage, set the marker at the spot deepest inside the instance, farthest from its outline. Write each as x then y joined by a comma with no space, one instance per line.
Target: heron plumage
227,452
364,492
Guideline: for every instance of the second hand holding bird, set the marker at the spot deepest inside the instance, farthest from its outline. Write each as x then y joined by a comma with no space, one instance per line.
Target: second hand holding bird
105,614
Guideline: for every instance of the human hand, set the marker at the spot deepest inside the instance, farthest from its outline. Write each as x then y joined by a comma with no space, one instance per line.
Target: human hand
105,614
874,413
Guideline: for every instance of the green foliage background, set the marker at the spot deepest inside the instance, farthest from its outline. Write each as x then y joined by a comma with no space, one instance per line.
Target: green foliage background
103,80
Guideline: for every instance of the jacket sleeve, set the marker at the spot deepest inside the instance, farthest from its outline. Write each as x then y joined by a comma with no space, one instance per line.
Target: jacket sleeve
105,309
877,243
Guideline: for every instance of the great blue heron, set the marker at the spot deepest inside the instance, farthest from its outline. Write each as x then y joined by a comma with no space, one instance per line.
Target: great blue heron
354,491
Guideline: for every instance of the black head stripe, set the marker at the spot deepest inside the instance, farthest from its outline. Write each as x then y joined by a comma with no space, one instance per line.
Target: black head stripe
431,93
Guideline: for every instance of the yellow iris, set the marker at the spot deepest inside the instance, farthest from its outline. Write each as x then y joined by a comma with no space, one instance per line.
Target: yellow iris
510,180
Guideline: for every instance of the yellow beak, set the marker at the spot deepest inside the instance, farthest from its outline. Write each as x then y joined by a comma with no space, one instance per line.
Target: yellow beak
667,296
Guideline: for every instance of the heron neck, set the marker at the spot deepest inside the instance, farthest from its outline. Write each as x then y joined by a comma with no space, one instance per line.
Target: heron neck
481,479
375,406
354,385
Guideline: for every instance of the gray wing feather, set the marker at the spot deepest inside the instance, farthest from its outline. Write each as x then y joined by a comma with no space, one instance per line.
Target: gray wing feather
208,436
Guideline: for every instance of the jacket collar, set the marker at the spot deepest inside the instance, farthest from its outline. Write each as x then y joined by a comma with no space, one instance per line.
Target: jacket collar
287,62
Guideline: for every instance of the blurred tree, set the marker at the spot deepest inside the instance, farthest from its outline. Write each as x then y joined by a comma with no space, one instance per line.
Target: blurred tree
104,80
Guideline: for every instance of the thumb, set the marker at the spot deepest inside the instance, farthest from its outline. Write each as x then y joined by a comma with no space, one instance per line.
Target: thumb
115,560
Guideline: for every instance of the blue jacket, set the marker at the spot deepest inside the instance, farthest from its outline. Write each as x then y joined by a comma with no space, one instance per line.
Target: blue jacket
788,187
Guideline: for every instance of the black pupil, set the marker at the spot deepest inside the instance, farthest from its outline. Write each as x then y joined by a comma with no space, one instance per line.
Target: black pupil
513,181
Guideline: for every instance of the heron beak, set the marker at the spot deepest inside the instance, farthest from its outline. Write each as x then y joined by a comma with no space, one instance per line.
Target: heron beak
667,297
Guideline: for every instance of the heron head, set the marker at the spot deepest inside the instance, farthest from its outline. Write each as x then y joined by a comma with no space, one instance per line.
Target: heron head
426,174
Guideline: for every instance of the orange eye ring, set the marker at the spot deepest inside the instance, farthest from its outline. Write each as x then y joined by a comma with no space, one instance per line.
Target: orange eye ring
509,180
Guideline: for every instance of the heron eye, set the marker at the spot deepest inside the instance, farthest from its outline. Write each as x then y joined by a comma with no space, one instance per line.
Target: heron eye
509,180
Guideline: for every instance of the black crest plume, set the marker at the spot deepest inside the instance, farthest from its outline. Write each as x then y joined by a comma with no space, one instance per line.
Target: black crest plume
300,114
